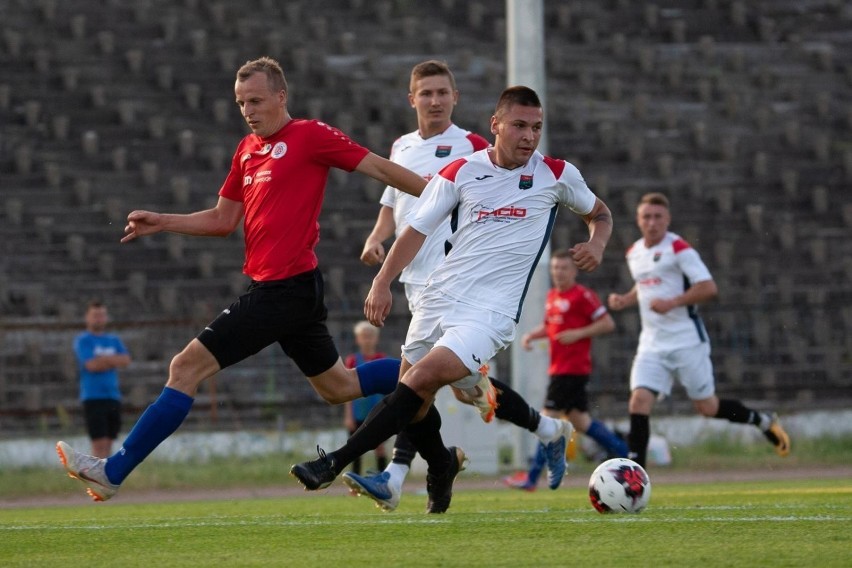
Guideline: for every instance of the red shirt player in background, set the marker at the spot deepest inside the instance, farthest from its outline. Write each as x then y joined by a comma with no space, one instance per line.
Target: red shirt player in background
573,315
276,187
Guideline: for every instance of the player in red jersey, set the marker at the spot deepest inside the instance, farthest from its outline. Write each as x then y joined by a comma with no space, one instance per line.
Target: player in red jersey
276,184
573,316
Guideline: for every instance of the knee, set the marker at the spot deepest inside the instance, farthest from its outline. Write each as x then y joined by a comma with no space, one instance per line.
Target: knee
641,402
182,372
708,408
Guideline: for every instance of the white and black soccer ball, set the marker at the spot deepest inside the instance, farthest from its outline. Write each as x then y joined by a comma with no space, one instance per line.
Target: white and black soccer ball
619,486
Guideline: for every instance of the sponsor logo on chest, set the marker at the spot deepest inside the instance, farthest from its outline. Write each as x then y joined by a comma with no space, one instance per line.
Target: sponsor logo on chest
443,151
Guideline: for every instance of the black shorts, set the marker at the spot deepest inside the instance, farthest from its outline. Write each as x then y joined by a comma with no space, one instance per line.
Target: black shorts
103,418
567,392
289,312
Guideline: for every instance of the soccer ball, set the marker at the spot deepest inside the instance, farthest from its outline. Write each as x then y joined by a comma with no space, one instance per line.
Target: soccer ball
619,486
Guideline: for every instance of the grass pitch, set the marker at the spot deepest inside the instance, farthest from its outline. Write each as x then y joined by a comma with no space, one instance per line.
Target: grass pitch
790,523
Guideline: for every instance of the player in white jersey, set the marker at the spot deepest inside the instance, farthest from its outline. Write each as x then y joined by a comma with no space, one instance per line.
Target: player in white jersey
502,203
436,143
670,279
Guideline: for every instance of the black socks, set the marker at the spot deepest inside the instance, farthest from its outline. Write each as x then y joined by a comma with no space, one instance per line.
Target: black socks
637,440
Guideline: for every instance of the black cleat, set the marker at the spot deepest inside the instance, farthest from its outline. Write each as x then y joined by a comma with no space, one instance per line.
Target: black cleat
440,487
315,474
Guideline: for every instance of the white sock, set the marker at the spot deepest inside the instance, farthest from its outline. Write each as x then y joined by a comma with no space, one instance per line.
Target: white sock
397,472
765,421
548,429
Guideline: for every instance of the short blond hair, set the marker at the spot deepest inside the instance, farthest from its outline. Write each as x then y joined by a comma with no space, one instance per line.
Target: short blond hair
363,326
654,198
269,67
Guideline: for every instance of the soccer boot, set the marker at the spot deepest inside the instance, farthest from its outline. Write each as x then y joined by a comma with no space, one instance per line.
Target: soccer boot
376,487
88,469
439,488
482,395
778,437
520,480
315,474
554,451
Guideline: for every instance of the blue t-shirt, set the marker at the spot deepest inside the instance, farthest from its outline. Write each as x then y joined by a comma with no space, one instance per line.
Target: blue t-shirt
97,385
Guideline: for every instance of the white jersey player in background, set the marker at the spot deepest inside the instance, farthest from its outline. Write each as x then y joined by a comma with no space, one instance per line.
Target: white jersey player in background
670,280
502,203
436,143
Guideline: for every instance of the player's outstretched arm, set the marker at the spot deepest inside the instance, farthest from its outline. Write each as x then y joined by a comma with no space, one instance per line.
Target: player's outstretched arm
378,303
588,256
374,250
219,221
391,174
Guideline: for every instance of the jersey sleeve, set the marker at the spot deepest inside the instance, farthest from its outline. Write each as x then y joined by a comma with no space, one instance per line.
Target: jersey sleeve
333,148
433,207
388,198
691,264
592,305
232,187
574,193
120,348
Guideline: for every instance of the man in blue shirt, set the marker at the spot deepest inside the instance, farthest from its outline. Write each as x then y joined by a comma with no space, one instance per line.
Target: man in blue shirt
99,356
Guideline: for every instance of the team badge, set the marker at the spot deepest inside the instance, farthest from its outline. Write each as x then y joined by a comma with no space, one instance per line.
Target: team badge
526,182
657,256
279,150
265,150
443,151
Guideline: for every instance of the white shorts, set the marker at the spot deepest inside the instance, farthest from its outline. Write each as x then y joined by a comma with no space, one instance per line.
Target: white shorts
412,294
690,366
473,334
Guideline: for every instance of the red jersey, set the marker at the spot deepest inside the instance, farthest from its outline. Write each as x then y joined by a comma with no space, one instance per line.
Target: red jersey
571,309
280,181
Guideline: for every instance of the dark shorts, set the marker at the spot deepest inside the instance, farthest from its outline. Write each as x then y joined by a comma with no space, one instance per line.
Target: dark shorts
289,312
567,392
103,418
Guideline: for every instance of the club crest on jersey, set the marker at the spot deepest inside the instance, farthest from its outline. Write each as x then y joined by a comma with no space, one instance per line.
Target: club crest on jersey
657,256
526,182
279,150
265,150
443,151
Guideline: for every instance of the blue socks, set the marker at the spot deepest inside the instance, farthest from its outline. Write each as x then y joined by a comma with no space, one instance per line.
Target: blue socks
379,376
537,464
606,438
156,424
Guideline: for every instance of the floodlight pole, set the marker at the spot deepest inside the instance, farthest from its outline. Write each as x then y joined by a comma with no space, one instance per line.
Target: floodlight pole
525,66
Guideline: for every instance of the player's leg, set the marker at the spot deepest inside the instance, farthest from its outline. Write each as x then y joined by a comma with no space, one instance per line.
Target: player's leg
104,476
385,487
649,377
577,401
696,373
412,399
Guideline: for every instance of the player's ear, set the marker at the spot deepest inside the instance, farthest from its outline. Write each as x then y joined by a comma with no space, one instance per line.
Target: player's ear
411,99
494,125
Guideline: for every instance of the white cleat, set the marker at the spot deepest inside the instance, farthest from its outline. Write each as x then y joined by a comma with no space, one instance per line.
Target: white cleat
88,469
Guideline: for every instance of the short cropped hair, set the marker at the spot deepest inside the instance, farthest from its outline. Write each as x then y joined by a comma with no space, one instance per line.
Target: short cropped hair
518,95
562,253
431,68
94,304
267,66
364,325
655,198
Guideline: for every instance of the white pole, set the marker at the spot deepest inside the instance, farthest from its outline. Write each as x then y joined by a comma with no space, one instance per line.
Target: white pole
525,66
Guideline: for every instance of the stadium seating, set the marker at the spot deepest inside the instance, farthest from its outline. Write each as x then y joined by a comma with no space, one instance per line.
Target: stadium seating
738,110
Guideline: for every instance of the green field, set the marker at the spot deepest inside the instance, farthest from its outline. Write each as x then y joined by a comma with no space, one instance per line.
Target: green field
789,523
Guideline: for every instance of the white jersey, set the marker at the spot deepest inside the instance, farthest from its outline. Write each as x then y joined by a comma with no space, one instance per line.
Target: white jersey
666,270
501,221
426,157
